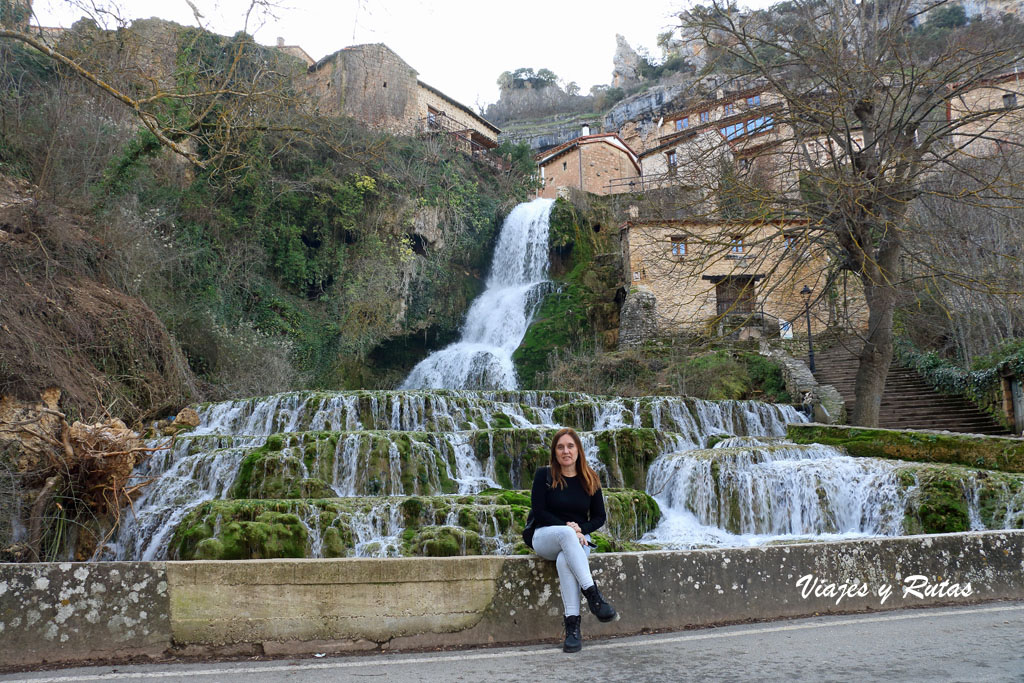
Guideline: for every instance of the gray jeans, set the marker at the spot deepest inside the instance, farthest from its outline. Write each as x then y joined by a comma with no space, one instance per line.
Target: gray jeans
559,543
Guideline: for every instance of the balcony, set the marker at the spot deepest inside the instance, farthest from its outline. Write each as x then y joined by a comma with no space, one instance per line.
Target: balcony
466,140
646,183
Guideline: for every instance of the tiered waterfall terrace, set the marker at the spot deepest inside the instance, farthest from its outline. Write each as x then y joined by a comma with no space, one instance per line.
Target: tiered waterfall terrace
337,474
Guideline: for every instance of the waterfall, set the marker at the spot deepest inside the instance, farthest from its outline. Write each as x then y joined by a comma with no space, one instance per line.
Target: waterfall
387,473
497,320
751,490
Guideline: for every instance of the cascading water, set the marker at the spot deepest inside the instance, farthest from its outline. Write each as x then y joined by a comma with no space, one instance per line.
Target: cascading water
385,473
334,474
747,491
496,322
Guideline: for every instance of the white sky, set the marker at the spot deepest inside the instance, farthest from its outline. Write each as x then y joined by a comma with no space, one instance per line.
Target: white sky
457,46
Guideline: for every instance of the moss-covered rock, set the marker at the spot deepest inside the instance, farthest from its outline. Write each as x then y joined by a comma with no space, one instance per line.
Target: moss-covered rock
442,541
941,497
585,264
972,450
435,526
580,415
627,453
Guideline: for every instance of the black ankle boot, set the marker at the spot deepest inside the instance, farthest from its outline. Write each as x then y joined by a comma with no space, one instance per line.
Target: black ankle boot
598,607
573,640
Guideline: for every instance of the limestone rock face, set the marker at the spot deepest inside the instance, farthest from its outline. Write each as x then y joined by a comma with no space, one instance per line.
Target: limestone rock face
527,102
626,64
638,320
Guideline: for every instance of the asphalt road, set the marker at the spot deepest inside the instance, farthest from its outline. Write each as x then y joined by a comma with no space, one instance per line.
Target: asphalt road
980,643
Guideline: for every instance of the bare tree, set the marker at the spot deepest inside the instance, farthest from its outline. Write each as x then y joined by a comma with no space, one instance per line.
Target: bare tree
862,120
197,94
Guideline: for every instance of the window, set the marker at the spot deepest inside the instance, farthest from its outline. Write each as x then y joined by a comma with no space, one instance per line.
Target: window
683,123
754,101
734,131
791,241
564,165
672,161
736,245
678,247
705,116
762,124
431,117
1009,100
729,109
744,164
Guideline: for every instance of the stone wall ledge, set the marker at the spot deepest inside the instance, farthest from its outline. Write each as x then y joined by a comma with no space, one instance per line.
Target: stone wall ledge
1003,453
74,613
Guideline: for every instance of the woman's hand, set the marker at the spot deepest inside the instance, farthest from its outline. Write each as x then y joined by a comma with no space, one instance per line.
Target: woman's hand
579,533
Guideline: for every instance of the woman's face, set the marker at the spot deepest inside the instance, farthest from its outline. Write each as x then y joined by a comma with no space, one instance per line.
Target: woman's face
566,452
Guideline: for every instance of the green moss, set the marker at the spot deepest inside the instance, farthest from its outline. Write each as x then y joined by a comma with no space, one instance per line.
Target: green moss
938,506
501,421
469,520
209,549
412,511
584,302
988,452
607,544
443,541
628,452
766,378
580,415
334,545
275,442
715,438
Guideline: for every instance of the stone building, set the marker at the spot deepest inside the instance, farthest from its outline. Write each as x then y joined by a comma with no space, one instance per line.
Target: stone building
374,85
744,274
740,128
589,163
295,51
998,107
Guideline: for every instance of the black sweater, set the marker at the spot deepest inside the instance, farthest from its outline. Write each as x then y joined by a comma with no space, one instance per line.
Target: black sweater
553,506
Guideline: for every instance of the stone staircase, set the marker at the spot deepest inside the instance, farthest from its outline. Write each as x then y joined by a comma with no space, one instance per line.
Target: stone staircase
908,402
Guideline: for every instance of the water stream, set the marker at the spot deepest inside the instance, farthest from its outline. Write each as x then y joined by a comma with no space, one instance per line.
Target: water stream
332,473
497,320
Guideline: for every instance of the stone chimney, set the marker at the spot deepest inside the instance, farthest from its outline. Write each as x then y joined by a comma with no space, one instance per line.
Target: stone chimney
280,41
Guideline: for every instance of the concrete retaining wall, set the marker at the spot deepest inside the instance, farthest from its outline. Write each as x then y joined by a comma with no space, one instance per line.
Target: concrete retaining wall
73,612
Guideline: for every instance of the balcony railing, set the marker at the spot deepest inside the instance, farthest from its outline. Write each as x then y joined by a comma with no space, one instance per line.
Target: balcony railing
462,138
644,183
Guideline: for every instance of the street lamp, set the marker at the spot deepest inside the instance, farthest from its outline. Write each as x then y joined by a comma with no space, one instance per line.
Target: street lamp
806,293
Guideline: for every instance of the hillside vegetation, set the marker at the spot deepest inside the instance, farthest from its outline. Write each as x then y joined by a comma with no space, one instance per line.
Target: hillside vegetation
303,252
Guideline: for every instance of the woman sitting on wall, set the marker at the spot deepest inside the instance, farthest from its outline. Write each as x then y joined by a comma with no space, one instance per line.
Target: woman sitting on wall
565,506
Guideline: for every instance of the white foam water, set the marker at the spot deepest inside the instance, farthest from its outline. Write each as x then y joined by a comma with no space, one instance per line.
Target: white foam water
496,322
750,491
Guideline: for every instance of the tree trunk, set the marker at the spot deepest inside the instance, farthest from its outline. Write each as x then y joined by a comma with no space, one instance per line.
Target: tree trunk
876,356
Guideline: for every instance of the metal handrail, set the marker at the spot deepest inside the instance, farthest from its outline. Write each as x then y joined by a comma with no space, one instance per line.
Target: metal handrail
442,123
642,183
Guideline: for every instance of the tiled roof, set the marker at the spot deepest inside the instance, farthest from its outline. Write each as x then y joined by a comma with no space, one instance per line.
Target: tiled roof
608,138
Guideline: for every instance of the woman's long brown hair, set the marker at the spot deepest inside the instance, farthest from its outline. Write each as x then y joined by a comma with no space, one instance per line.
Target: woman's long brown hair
588,477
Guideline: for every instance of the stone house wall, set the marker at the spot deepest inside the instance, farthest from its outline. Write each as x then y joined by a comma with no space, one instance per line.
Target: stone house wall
1005,98
685,279
370,83
374,85
456,114
601,162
